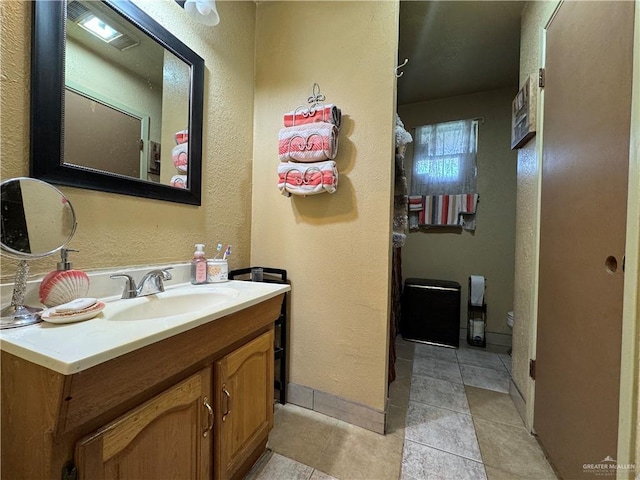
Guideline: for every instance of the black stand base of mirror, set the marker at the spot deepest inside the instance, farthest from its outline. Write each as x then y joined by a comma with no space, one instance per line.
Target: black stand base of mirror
13,317
17,314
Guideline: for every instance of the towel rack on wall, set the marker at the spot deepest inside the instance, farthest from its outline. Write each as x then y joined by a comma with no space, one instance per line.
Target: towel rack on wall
316,97
307,147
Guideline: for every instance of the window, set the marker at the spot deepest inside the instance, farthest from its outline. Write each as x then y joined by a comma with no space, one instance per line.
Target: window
444,159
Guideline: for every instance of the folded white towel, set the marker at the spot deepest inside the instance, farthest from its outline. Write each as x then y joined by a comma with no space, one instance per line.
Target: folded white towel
76,305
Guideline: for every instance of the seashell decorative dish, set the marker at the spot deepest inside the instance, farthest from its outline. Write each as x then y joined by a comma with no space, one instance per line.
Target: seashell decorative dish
62,286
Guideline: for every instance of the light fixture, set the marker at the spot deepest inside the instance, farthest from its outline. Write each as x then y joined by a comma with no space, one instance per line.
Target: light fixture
99,28
203,11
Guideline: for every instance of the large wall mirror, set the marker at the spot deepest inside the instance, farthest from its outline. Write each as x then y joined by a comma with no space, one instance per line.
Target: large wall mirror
116,102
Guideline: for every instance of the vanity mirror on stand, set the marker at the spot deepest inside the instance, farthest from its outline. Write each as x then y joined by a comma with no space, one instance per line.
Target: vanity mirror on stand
37,221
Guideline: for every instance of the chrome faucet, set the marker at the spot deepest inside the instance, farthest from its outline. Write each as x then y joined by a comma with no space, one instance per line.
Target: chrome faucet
150,284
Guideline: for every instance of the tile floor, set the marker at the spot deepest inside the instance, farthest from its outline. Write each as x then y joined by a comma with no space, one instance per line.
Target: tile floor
450,417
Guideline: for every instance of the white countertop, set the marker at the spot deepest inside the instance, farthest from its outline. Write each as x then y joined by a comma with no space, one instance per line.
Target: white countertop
71,348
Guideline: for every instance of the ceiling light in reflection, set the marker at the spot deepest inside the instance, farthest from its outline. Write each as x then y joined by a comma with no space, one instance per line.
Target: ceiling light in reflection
100,29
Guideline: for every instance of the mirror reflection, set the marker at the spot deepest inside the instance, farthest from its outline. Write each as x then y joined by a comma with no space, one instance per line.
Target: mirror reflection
148,106
126,103
37,219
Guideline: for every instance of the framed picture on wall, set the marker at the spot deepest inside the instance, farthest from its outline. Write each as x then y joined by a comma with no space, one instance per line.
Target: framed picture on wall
154,158
523,113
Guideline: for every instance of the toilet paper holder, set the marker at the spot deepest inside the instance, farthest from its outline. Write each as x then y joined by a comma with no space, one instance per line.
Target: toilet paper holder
477,320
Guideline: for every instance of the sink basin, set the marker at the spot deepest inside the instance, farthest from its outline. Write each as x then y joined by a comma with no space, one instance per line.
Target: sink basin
171,303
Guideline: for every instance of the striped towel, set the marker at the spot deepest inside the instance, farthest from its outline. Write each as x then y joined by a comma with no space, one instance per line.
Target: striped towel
416,203
307,179
321,113
445,210
313,142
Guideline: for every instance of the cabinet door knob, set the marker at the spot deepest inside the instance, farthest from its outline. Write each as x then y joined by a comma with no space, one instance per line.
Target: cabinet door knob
209,417
227,410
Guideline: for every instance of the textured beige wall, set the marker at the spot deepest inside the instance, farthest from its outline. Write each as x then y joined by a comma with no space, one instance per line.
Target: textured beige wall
115,230
336,248
534,18
490,250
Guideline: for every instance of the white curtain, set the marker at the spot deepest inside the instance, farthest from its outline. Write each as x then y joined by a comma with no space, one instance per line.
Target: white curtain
444,159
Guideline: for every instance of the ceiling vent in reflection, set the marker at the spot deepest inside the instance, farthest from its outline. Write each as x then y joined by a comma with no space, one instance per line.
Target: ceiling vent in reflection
99,23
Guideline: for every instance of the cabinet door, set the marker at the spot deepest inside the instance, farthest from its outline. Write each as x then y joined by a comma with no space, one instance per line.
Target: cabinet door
244,413
167,437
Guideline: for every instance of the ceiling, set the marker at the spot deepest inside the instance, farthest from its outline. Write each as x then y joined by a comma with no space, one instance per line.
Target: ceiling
457,47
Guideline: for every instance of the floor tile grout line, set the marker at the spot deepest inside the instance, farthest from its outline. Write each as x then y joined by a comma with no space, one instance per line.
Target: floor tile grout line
441,407
505,364
487,367
475,432
445,451
436,378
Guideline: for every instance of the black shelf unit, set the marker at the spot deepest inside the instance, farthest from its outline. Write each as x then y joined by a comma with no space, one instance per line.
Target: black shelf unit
274,275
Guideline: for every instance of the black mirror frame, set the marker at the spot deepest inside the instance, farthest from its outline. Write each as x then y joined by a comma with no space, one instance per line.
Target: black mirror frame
47,113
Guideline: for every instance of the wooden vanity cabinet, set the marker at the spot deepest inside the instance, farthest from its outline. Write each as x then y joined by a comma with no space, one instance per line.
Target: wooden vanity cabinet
168,436
145,415
244,395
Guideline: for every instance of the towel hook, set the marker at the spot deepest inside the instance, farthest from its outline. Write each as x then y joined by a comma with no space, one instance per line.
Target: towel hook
398,75
316,97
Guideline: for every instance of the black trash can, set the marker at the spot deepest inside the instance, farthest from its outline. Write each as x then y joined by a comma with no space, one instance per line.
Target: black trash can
431,311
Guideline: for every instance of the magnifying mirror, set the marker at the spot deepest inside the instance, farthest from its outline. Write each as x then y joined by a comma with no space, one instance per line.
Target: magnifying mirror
37,221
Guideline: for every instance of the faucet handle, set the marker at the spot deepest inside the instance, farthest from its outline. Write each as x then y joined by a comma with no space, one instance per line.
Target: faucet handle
165,273
129,285
160,275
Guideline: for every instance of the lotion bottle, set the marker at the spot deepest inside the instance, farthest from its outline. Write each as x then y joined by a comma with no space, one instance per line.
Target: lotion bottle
199,266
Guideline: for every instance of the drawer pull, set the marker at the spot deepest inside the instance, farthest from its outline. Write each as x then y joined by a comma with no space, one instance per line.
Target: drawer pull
227,410
209,417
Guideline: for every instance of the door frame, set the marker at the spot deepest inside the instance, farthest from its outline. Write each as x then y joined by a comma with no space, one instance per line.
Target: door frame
629,403
628,433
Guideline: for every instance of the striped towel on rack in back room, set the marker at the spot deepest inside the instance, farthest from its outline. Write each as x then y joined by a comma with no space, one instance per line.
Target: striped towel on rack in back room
416,203
448,210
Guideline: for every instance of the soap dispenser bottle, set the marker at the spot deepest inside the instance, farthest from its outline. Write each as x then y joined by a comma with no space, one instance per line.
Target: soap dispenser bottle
64,284
199,266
